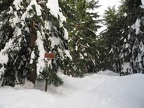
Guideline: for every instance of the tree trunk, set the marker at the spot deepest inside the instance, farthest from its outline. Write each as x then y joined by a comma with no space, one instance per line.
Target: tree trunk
33,38
46,85
33,74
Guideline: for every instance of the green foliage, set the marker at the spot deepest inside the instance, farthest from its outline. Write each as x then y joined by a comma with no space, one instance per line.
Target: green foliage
20,29
82,26
113,37
48,74
4,4
120,37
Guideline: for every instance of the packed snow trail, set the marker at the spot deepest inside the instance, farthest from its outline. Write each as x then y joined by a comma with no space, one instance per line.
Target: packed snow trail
92,91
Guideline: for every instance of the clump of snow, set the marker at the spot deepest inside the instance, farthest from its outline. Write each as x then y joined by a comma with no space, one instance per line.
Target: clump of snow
65,34
142,1
92,91
137,26
14,20
54,7
68,54
41,62
3,57
126,67
32,57
141,47
17,4
54,41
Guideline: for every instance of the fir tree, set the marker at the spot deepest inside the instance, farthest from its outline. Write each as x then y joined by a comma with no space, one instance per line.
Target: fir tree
36,27
133,48
82,26
132,53
124,36
113,37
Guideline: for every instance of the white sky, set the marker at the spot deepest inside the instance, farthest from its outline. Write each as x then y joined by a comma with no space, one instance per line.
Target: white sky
106,3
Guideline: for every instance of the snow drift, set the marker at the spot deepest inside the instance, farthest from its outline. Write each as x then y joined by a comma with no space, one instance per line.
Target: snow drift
92,91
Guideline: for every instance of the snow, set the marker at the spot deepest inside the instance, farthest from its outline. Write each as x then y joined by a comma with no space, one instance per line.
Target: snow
136,26
32,57
55,10
65,34
54,7
3,57
26,13
142,1
92,91
41,62
27,84
62,19
126,67
141,47
54,41
108,72
10,45
17,4
103,90
68,54
14,20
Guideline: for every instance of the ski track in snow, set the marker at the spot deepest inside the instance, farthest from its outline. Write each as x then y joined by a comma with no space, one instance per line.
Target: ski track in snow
92,91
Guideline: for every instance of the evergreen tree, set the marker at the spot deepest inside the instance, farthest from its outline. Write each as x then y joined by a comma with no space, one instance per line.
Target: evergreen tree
132,53
124,37
82,26
133,48
115,22
29,29
4,4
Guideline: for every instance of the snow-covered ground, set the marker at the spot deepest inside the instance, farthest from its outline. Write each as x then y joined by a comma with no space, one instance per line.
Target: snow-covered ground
92,91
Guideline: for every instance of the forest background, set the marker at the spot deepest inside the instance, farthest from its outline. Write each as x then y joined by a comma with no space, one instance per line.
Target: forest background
68,28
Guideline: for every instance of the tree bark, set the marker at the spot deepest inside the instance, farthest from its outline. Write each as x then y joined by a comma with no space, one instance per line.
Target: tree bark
33,38
46,85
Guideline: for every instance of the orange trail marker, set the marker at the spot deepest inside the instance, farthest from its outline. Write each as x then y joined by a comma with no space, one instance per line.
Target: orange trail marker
50,56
